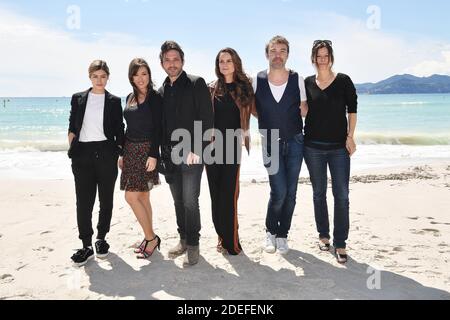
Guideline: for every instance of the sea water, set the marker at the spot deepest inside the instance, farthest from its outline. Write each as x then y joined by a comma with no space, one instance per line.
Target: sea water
392,130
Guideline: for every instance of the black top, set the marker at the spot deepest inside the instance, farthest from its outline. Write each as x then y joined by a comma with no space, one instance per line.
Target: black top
228,116
169,109
326,121
144,122
113,126
186,101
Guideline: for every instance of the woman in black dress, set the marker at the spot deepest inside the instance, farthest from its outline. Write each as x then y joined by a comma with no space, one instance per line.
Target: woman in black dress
141,151
233,102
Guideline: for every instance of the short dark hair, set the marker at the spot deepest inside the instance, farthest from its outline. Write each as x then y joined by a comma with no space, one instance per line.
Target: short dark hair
98,65
319,45
170,45
278,40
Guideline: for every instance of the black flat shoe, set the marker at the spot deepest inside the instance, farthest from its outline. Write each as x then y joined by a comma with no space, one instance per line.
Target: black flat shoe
341,258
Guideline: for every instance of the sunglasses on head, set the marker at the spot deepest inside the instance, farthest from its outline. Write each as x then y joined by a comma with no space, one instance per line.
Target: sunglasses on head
328,42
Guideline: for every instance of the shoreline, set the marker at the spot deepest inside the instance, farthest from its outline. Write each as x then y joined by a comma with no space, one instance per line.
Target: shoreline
36,165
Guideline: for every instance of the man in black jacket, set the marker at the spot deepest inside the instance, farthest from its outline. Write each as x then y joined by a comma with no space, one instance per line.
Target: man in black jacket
188,114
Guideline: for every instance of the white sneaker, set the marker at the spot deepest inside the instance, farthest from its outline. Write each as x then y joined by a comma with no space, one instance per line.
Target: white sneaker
282,245
270,245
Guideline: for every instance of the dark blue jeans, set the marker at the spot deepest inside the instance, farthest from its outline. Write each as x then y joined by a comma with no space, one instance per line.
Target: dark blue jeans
338,161
283,187
185,189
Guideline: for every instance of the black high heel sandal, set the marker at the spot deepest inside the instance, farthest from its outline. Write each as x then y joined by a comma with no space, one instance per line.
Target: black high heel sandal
139,248
144,254
341,258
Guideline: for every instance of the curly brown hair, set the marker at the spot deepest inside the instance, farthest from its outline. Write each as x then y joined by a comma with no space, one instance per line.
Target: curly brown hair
244,91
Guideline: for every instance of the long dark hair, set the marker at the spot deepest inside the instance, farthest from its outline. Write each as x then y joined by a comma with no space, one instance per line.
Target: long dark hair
244,90
135,65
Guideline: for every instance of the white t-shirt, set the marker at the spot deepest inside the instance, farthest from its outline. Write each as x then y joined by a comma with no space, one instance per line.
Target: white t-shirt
92,128
278,91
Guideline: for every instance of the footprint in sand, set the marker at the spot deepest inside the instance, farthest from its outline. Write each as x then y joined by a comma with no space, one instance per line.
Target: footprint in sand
43,249
398,249
436,233
443,223
6,278
21,267
45,232
413,218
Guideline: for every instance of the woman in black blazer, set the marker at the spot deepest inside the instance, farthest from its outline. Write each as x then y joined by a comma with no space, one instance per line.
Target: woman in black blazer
96,136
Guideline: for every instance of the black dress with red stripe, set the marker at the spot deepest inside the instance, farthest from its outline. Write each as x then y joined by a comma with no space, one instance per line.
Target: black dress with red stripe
223,175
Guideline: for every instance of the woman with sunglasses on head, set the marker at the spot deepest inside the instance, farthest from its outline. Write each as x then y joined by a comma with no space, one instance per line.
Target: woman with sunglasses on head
233,102
141,150
329,142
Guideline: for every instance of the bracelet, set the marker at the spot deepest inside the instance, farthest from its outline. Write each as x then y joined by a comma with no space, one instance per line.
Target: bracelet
350,137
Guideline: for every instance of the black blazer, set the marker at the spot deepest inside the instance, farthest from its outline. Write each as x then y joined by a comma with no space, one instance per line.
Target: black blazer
113,125
193,103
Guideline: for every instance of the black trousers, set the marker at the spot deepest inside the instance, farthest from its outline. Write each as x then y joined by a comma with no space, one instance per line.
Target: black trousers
185,189
94,167
223,180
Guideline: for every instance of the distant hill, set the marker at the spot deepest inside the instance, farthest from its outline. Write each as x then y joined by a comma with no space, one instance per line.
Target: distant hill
407,84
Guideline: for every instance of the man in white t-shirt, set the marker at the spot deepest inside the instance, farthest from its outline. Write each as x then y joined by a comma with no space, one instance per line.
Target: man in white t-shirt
280,102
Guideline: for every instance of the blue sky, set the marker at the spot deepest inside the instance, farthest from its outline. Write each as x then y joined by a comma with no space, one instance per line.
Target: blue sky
412,37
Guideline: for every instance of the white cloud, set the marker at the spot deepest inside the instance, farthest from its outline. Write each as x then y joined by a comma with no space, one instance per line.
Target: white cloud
370,55
429,67
39,61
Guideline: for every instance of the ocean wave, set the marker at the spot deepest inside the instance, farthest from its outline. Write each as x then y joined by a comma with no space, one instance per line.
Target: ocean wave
361,138
403,103
403,139
412,103
33,146
366,138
